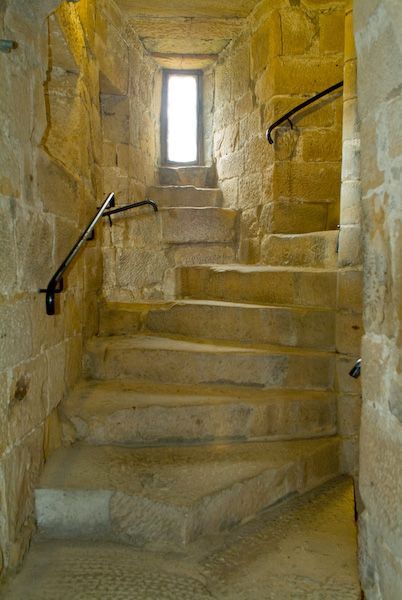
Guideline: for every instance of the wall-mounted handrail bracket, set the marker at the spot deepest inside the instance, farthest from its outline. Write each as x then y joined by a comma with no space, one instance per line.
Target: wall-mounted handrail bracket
56,284
356,370
7,45
286,117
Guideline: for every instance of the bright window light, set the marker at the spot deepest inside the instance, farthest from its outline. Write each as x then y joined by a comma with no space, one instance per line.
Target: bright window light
182,122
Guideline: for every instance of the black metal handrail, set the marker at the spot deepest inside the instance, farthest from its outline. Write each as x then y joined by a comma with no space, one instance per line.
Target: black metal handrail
56,285
299,107
120,209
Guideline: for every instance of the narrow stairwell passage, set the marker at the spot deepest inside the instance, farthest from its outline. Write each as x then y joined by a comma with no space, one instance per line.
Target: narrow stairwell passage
303,549
199,413
198,422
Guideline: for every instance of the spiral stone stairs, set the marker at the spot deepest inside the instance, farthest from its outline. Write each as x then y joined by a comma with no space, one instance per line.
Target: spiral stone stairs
198,413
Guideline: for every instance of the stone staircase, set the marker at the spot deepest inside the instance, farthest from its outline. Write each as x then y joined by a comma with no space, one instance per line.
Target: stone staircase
198,413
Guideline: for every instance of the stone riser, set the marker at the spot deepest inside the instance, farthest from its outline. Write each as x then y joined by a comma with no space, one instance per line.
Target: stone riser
307,328
120,413
198,225
185,196
291,217
264,285
147,515
161,360
203,225
307,250
201,177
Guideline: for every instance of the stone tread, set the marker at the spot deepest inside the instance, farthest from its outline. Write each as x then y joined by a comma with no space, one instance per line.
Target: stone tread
179,475
185,195
263,284
312,327
167,304
199,176
166,497
180,344
129,412
302,548
183,188
174,359
112,394
247,268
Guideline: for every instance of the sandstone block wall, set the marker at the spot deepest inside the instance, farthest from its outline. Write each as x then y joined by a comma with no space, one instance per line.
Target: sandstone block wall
289,51
379,52
51,181
141,252
349,323
130,108
130,105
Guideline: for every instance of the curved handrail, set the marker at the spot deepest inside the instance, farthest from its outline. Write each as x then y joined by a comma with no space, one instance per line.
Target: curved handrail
133,205
55,285
286,117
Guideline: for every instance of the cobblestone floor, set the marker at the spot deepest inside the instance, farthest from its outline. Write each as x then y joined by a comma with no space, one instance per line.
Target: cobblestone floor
302,548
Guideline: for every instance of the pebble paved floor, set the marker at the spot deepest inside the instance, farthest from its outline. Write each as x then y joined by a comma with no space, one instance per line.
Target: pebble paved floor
302,548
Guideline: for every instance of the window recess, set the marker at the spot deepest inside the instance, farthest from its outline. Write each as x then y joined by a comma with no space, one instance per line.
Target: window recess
181,122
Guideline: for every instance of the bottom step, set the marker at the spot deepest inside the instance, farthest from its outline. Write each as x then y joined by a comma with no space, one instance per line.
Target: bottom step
302,549
167,497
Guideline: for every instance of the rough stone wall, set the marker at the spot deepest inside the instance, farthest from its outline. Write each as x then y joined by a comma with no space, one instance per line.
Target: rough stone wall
50,185
349,325
130,102
378,26
289,51
350,242
130,122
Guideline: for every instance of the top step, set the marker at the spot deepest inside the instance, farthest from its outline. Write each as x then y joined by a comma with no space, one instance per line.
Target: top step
171,196
201,177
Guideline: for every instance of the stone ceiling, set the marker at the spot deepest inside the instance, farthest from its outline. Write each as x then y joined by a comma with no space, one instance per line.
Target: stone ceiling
186,33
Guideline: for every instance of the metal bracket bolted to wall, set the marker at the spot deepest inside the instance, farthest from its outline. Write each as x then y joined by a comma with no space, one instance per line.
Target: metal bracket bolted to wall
356,371
7,45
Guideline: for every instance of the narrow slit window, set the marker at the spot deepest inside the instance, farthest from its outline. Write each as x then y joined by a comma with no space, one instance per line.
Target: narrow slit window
181,124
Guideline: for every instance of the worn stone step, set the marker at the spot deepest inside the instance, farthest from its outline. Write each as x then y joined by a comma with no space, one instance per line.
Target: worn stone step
168,497
314,533
171,360
180,196
318,249
214,320
289,286
200,177
128,412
